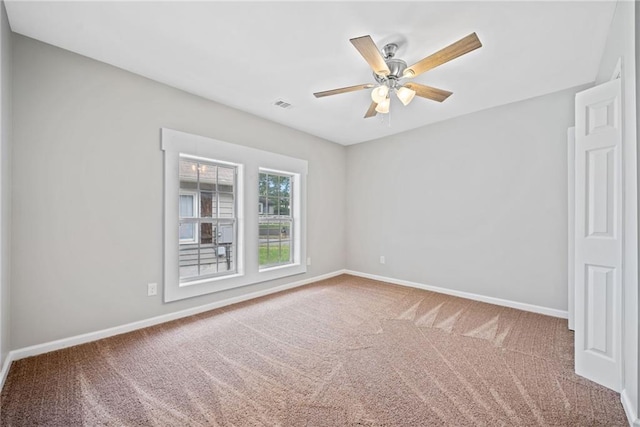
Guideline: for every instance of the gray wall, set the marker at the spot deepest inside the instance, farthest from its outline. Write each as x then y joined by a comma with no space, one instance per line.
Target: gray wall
88,188
620,44
475,204
5,181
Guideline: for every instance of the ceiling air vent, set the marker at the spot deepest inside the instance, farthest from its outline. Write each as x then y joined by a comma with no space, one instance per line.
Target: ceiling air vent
282,104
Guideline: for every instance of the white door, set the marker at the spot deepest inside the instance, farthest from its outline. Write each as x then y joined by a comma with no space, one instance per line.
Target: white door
598,234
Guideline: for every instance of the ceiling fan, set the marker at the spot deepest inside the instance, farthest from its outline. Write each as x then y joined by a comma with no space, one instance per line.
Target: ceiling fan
389,71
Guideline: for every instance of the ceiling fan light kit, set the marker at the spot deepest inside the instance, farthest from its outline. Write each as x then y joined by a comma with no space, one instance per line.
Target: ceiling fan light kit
405,95
383,106
388,72
379,93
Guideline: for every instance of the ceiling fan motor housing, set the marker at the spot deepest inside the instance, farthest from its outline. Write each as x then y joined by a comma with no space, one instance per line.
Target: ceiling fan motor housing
396,66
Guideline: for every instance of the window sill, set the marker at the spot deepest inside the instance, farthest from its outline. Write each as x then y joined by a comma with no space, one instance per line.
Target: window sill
223,283
209,280
278,267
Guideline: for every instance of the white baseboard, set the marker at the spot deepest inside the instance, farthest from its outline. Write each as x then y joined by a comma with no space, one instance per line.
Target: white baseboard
491,300
35,350
629,410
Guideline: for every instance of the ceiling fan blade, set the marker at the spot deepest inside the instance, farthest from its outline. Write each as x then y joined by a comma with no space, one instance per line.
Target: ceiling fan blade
429,92
371,54
371,111
343,90
459,48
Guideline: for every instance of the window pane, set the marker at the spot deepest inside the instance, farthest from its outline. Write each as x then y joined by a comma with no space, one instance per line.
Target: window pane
285,252
272,185
226,258
206,233
264,251
283,207
285,186
262,232
276,206
188,260
188,232
226,179
274,255
208,259
276,203
207,177
270,208
275,244
206,204
262,184
273,231
285,230
186,206
188,174
226,205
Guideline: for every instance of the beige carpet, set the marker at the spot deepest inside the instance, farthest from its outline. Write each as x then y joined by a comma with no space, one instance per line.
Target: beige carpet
345,351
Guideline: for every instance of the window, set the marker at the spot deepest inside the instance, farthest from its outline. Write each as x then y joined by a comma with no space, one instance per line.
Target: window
207,220
275,220
211,242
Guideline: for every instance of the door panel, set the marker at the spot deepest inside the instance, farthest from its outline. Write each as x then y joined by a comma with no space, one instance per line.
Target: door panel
600,192
599,301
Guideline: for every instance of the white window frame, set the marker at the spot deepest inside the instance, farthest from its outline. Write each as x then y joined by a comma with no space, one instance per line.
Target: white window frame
248,162
295,213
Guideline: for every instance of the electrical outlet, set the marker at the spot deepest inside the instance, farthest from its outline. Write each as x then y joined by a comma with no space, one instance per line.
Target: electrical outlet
152,289
309,261
382,260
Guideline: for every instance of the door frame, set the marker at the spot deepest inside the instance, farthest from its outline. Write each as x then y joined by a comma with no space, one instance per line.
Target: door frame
571,209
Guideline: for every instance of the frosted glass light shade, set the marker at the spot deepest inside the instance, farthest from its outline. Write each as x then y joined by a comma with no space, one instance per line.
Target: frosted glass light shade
379,94
405,95
383,106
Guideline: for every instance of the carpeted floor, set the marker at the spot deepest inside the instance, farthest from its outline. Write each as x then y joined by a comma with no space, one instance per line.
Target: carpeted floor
345,351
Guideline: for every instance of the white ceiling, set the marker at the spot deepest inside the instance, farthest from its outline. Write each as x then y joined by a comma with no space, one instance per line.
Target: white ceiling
249,54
